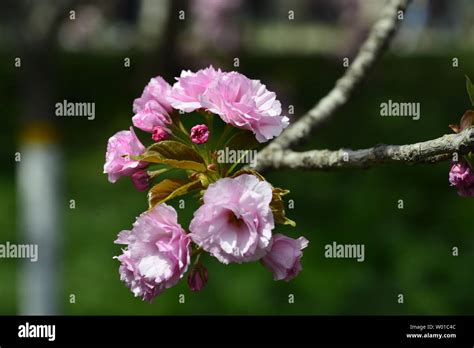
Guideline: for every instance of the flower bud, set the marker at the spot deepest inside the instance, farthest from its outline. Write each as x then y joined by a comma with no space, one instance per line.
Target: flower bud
199,134
159,134
197,278
461,176
141,180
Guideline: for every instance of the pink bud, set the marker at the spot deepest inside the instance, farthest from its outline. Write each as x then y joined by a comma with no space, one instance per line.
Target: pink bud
199,134
141,180
461,176
160,133
197,278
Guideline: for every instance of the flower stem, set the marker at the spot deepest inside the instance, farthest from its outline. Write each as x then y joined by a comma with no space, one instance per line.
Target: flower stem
226,131
235,165
197,252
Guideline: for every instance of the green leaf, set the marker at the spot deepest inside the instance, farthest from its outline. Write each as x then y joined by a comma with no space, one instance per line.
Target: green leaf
171,149
174,154
278,208
470,89
170,188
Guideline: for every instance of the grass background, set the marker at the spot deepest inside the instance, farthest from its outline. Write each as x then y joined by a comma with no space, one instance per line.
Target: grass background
407,251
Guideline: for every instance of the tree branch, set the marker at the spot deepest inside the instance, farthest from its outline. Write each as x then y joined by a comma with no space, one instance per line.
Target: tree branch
431,151
371,50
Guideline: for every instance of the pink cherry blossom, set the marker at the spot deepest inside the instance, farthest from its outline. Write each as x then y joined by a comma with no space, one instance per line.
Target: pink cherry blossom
284,258
141,180
186,93
157,255
199,134
461,176
117,160
235,222
246,104
152,108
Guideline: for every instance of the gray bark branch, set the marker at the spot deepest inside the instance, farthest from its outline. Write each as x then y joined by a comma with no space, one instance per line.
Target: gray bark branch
431,151
380,35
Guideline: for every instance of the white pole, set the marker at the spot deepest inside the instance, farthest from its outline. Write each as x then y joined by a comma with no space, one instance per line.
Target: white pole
38,186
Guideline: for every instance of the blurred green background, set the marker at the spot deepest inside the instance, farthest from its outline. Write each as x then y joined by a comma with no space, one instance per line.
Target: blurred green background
407,251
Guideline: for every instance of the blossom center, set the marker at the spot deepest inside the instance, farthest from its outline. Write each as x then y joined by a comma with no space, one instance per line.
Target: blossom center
234,220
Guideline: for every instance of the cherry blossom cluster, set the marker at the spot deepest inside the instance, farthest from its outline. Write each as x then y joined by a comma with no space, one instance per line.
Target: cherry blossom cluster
239,209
